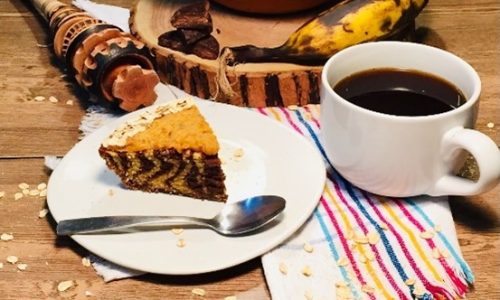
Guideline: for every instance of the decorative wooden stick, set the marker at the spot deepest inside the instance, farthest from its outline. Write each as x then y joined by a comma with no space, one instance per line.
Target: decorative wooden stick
104,60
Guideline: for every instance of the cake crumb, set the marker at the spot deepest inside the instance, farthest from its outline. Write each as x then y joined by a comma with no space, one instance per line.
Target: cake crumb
308,295
64,285
6,237
490,125
39,98
53,99
12,259
283,268
238,153
308,248
18,196
43,213
306,271
85,262
181,243
22,267
111,192
177,231
198,292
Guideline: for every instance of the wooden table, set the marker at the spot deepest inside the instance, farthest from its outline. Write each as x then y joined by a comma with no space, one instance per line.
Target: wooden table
29,130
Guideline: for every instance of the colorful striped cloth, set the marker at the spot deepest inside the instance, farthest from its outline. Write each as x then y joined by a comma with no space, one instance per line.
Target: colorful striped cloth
360,246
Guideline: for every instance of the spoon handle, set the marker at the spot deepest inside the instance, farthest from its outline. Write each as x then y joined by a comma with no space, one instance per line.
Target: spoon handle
116,223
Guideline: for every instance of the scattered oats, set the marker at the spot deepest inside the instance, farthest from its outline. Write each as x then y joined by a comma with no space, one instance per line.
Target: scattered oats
22,267
340,284
435,253
308,294
373,237
24,186
88,294
177,231
2,194
6,237
181,243
12,259
69,102
1,265
85,262
410,281
53,99
64,285
427,235
350,235
308,248
306,271
198,292
230,298
367,289
42,186
360,238
26,192
444,253
490,125
43,193
437,228
283,268
111,193
39,98
43,213
419,291
362,259
342,262
34,192
293,107
384,226
238,153
369,255
18,196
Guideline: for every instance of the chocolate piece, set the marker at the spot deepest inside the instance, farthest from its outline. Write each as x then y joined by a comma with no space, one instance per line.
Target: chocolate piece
207,48
193,16
191,36
172,40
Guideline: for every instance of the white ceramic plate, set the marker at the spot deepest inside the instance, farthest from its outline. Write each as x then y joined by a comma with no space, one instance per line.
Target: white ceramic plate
276,160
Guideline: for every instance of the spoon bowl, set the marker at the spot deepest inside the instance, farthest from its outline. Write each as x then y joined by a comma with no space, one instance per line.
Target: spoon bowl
236,218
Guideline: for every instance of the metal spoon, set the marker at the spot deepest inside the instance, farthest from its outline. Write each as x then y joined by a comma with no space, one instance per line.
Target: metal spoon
234,219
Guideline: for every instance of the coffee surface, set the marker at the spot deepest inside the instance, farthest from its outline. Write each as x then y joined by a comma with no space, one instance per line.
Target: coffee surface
400,92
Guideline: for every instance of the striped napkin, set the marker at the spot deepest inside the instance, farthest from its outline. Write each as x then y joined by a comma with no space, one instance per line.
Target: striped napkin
360,246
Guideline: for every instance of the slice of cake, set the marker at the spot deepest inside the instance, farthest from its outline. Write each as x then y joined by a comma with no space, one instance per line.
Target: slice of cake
170,150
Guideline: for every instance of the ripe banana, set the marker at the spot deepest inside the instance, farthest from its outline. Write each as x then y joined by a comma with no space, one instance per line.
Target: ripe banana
345,24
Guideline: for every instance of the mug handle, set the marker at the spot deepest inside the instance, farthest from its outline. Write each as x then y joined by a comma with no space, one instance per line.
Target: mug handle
484,151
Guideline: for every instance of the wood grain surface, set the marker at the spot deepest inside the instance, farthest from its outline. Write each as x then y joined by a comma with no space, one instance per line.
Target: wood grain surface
29,130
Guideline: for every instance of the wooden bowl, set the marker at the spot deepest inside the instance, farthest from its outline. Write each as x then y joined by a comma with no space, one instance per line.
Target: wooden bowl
271,6
252,84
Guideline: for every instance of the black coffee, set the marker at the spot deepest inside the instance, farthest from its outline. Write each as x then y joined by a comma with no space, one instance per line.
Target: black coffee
400,92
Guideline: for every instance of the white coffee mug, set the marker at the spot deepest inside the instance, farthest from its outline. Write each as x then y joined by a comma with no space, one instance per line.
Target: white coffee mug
398,155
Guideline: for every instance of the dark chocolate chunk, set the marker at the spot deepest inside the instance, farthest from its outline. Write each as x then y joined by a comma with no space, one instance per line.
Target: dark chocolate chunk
193,16
191,36
172,40
207,48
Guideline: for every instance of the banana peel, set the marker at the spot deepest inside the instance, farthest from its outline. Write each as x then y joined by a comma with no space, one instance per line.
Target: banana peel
347,23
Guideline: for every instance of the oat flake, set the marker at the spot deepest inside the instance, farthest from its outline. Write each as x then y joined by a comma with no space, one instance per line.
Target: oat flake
12,259
198,292
64,285
42,186
53,99
306,271
283,268
43,213
177,231
22,267
24,186
308,248
43,193
427,235
2,194
230,298
6,237
18,196
181,243
86,262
